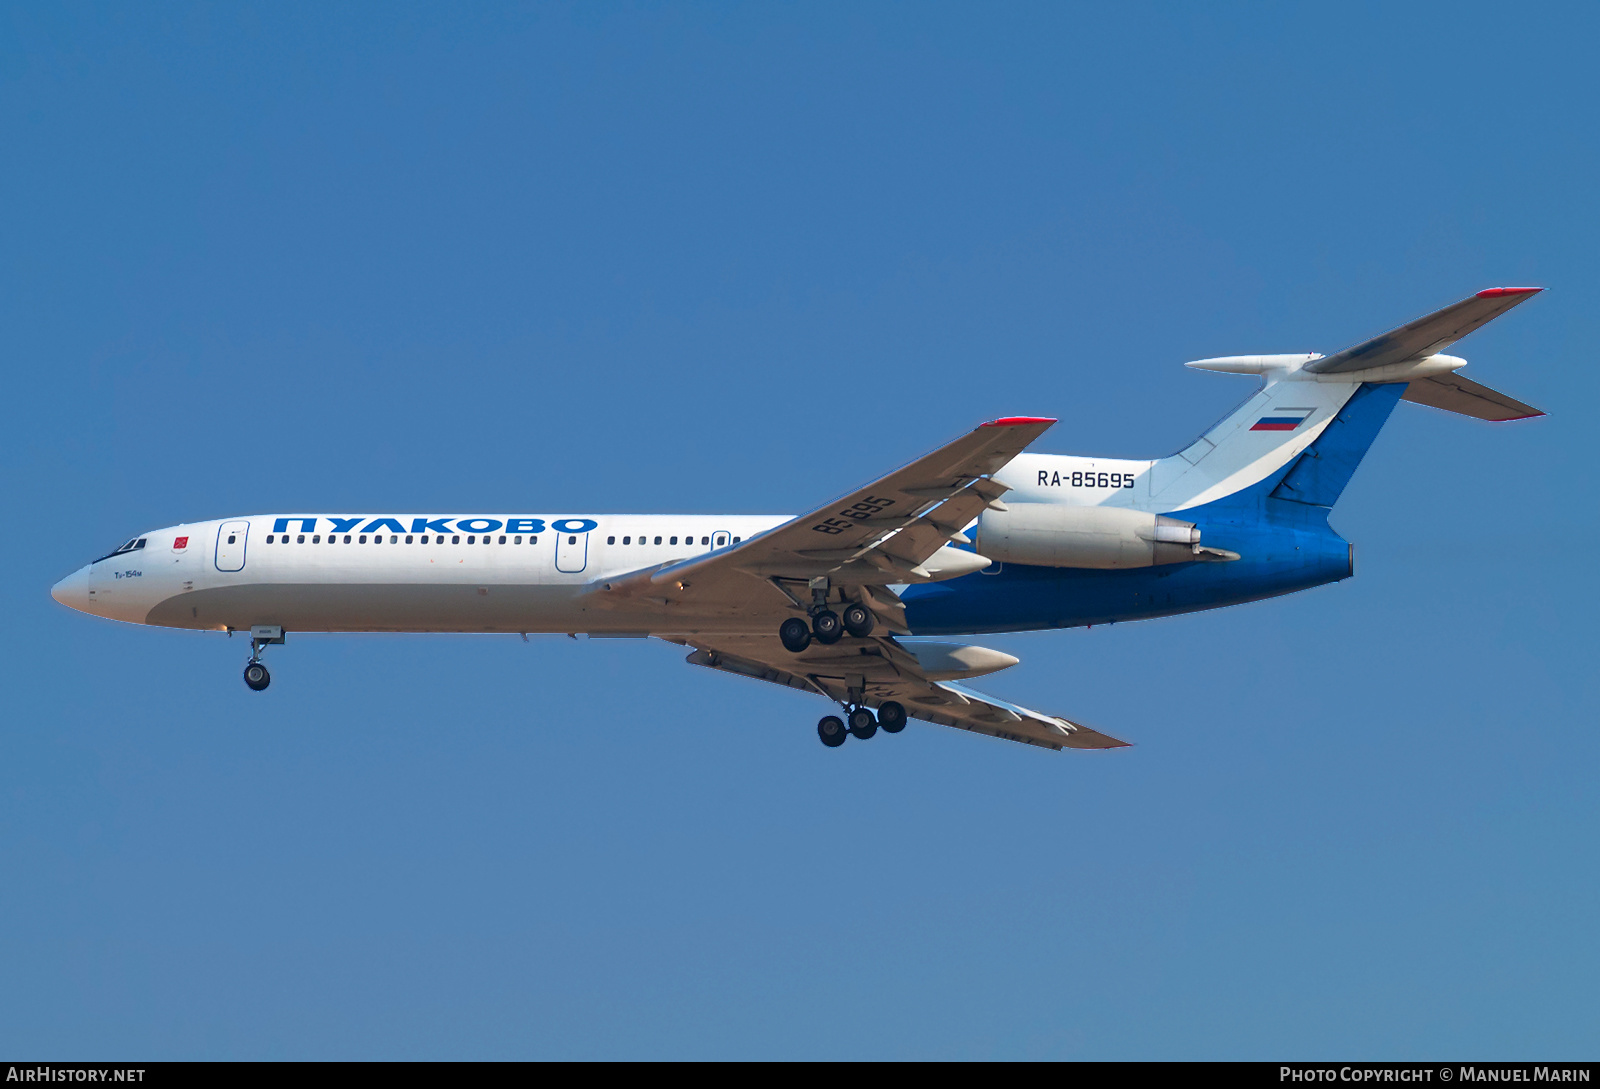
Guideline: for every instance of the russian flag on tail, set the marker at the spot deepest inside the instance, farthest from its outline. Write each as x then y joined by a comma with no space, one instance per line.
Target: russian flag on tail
1281,419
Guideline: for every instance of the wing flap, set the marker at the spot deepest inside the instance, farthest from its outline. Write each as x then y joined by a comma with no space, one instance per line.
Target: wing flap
1427,335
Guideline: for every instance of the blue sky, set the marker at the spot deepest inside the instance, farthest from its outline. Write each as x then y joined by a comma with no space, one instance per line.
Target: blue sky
743,258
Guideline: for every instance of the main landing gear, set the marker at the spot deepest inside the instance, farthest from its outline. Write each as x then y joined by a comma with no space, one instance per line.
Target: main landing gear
891,718
827,627
261,637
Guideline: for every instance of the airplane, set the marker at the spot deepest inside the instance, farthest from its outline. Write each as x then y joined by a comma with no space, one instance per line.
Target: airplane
849,600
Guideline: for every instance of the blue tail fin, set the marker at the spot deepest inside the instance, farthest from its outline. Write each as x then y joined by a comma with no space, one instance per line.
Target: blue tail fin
1318,476
1314,480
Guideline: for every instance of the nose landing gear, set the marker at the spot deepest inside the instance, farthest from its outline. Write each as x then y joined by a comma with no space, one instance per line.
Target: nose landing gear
261,637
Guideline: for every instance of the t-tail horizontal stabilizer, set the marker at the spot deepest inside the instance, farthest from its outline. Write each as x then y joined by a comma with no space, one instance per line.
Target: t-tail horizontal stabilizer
1453,393
1411,345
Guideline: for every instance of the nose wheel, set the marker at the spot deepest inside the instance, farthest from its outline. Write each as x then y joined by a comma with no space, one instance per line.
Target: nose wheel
261,637
257,677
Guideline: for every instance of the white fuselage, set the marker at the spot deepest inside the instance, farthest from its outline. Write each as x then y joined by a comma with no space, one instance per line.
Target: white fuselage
527,573
296,572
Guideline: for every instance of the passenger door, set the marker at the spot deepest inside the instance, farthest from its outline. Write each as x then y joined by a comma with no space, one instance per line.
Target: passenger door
572,551
231,540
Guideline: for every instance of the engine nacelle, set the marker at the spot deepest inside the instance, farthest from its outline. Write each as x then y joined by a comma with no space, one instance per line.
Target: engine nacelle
1052,535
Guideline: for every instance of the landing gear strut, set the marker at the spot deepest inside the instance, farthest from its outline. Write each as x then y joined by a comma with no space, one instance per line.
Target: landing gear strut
863,723
827,627
261,637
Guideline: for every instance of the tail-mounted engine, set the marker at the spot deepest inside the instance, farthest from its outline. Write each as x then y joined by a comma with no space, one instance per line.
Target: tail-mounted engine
1052,535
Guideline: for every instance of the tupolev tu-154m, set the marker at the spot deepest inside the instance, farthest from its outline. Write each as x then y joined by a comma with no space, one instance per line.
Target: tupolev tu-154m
855,600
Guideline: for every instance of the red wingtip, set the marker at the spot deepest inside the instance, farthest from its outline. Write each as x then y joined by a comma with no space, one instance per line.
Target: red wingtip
1500,292
1019,421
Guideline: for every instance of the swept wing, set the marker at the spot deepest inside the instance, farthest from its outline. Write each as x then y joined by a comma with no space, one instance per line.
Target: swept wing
882,534
877,668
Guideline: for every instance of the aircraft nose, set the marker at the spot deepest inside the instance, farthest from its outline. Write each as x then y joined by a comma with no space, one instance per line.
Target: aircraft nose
73,591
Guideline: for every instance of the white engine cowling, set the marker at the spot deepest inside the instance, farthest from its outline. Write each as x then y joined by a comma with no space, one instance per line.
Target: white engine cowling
1052,535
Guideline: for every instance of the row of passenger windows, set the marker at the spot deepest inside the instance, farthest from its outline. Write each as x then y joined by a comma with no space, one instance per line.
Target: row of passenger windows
394,538
688,540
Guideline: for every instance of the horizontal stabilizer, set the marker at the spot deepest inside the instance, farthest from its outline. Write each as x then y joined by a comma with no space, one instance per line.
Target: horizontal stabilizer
1453,393
1425,336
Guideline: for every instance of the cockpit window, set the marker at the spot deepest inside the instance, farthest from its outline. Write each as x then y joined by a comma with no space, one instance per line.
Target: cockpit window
132,546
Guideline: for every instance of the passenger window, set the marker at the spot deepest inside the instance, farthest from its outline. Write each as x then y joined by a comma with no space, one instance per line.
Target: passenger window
575,540
502,538
316,538
456,539
627,540
230,539
673,541
424,539
409,540
269,539
736,540
533,540
609,540
705,540
393,539
363,538
347,538
472,540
